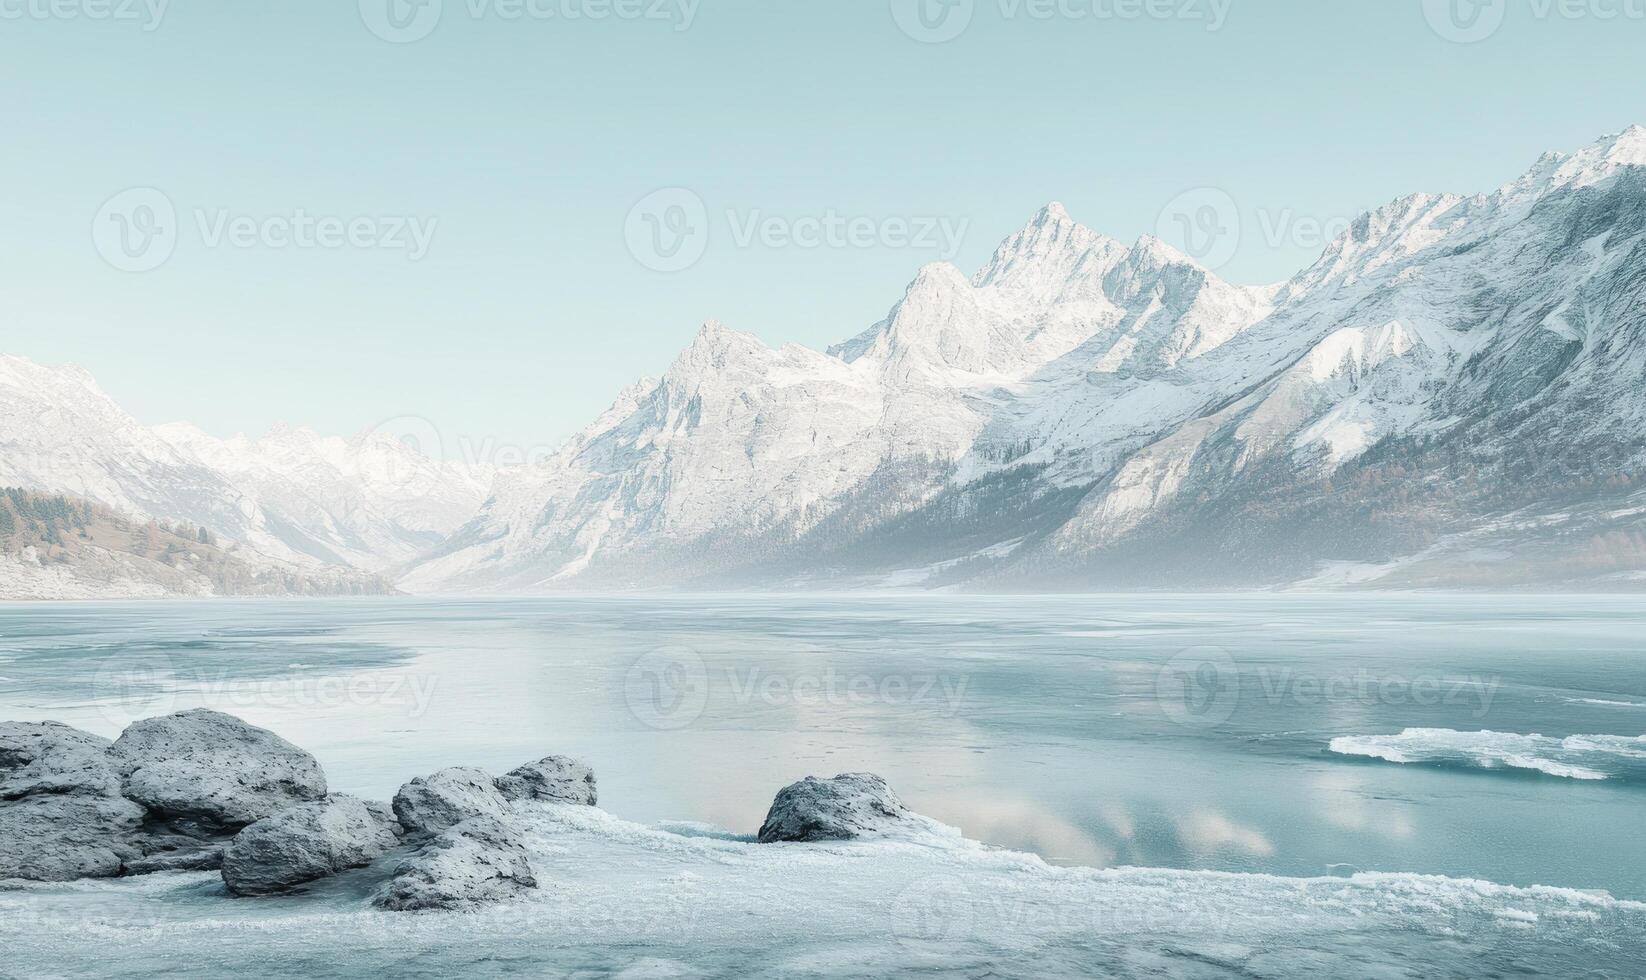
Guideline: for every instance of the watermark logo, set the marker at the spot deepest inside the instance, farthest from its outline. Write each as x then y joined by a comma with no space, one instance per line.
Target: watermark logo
1465,21
668,230
147,13
1203,687
667,689
417,471
1204,223
933,21
1199,687
938,21
136,230
405,21
401,21
937,910
1473,21
130,687
1207,225
946,693
1211,13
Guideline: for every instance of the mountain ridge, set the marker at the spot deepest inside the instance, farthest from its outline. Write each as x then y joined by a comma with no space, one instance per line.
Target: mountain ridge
1082,396
1448,396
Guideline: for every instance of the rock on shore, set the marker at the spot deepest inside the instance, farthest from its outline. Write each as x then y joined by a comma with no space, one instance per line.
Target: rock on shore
205,773
61,813
305,843
480,860
846,807
555,779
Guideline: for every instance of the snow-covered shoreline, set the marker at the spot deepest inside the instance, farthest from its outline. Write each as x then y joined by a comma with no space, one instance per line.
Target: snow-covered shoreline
618,898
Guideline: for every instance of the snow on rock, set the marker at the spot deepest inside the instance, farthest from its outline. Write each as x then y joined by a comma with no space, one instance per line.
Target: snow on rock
555,779
206,773
431,804
479,861
846,807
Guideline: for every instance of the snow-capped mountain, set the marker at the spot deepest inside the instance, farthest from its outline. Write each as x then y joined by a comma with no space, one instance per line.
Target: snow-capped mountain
1453,394
293,500
369,502
60,432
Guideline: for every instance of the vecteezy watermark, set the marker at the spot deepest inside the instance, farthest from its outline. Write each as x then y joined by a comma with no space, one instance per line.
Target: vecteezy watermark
937,21
671,688
1207,225
938,911
129,687
669,230
667,689
431,454
1199,687
843,690
138,229
1204,687
418,469
405,21
146,13
933,21
132,686
1472,21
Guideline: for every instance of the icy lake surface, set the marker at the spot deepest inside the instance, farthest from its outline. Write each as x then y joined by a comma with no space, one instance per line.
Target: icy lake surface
1194,786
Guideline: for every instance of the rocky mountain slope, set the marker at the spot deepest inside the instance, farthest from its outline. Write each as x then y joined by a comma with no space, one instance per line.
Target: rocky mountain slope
369,502
57,547
323,514
1451,396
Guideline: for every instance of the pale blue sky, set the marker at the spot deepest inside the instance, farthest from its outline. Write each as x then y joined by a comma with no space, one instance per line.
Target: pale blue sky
526,142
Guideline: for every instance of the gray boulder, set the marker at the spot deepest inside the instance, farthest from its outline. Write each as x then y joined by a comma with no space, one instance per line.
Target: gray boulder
64,836
302,844
430,804
478,861
205,773
843,808
556,779
51,757
61,814
383,813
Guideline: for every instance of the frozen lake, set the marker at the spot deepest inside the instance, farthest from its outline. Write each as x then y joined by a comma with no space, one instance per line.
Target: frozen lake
1319,737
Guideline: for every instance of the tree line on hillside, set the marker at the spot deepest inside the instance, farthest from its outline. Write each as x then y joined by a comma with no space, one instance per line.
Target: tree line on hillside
56,522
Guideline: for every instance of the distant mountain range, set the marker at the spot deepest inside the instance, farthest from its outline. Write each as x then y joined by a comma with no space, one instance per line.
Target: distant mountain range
1453,395
327,514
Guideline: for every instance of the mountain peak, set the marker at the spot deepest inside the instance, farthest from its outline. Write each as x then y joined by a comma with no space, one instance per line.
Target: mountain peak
1053,212
1148,246
1043,252
1627,147
713,350
1590,165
